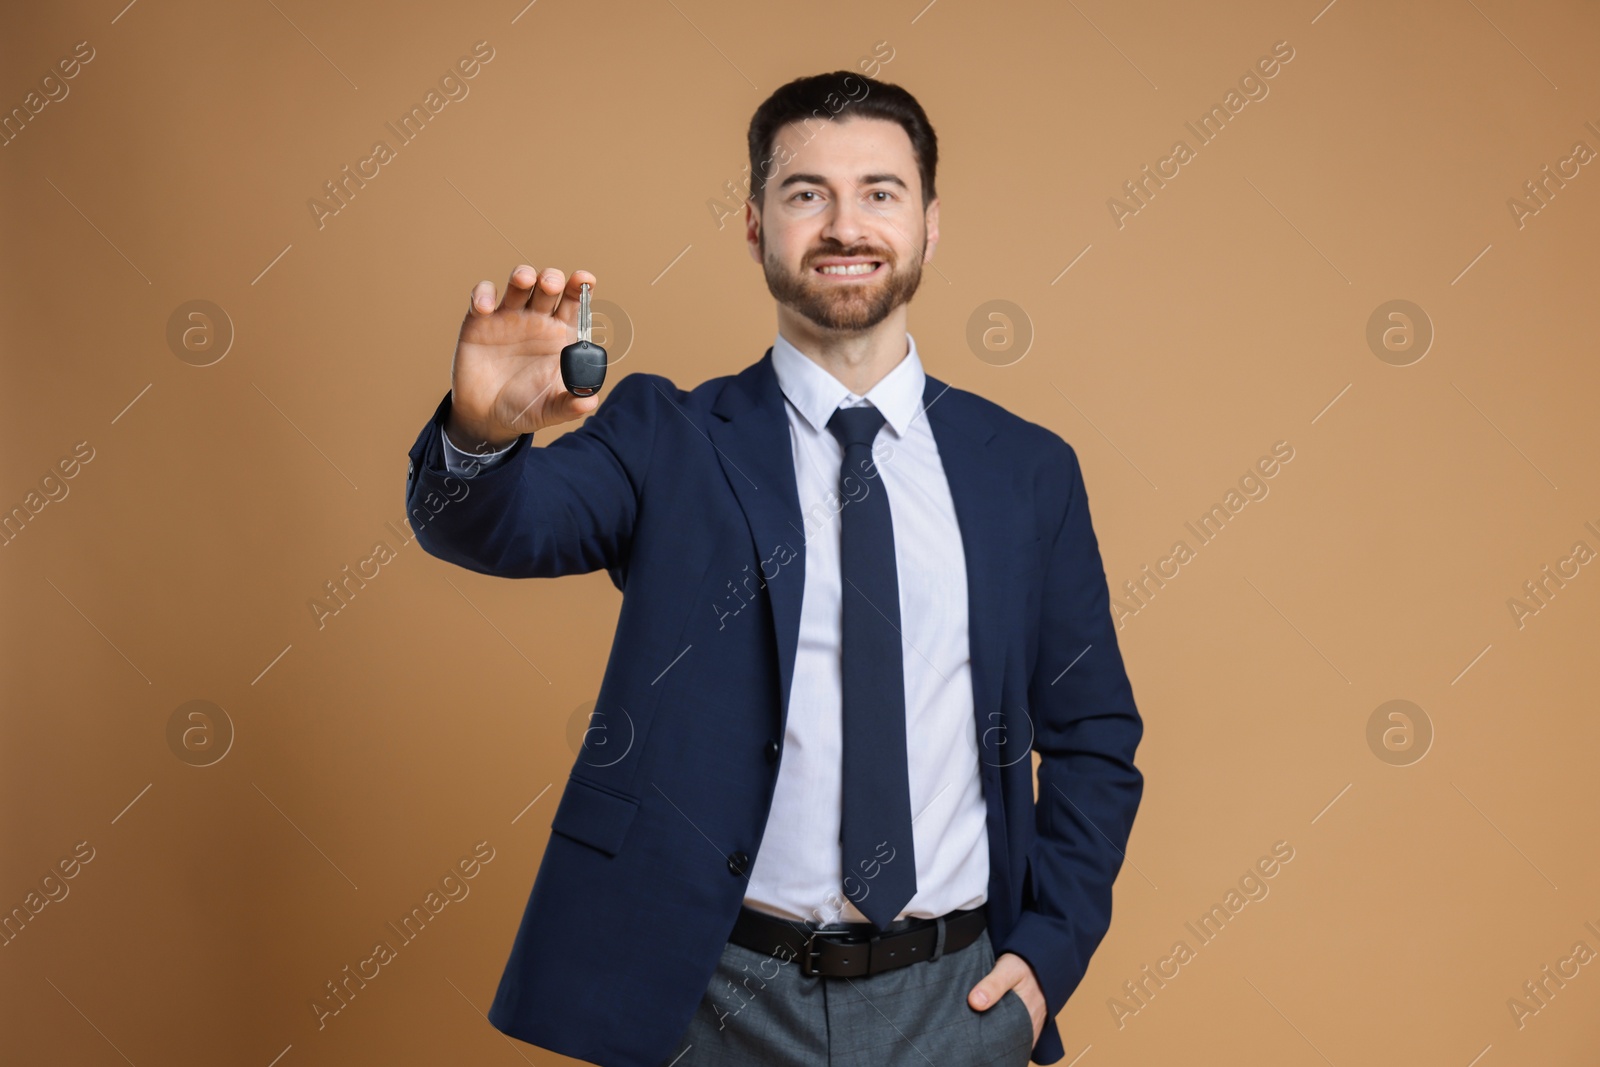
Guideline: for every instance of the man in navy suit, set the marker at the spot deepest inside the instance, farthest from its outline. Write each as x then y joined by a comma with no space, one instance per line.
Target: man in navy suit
854,601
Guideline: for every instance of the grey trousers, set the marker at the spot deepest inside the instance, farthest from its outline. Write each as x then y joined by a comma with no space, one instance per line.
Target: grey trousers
760,1009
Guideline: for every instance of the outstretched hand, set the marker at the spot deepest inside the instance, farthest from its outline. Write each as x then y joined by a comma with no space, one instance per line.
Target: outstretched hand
506,376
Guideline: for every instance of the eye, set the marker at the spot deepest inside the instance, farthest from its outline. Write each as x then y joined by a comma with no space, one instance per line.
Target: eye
804,192
883,193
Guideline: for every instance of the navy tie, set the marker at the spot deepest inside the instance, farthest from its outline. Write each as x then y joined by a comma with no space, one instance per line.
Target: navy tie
879,864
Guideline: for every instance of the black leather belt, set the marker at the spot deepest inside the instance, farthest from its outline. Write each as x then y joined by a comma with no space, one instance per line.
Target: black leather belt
854,949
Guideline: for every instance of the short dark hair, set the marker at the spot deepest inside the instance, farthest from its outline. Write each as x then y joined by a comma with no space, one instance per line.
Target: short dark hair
841,94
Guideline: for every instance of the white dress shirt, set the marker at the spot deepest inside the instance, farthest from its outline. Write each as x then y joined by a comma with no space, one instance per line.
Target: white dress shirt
798,870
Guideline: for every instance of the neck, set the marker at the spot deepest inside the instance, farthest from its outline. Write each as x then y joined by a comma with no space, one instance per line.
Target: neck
858,358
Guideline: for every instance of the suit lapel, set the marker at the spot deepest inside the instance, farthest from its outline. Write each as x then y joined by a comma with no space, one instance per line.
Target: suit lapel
750,430
980,492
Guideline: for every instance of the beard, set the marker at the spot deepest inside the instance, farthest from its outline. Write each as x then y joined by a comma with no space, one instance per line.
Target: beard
831,306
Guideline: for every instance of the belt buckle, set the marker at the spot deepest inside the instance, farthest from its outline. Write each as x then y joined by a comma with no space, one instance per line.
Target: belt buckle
809,954
812,953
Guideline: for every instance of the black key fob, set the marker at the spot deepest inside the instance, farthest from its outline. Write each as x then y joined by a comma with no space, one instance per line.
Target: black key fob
583,368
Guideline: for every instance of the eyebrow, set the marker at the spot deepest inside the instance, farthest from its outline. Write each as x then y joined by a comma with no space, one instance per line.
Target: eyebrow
817,179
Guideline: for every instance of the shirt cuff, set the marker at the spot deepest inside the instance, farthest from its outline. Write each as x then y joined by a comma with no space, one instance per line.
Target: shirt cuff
466,464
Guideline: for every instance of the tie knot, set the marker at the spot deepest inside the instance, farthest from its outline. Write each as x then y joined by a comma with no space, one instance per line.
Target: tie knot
856,426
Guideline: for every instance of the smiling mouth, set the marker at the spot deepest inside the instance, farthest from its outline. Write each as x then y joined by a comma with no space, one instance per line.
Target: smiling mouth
850,270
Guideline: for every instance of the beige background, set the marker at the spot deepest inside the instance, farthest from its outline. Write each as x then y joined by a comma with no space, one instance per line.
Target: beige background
435,711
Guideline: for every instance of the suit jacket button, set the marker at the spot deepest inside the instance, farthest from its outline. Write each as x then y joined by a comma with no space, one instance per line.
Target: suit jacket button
738,863
772,751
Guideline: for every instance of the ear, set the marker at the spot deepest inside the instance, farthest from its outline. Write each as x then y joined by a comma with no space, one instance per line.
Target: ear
931,218
752,228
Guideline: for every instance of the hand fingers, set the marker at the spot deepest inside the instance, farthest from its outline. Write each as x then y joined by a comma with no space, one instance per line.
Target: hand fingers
518,288
481,302
547,291
568,408
560,407
568,311
993,985
579,406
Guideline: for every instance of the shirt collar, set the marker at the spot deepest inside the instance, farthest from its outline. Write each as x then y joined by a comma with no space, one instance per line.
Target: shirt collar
816,393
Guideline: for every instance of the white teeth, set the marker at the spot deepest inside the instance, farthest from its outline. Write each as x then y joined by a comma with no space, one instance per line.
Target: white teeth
853,268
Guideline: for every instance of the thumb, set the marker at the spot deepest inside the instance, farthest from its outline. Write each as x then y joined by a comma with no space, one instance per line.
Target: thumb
579,406
989,990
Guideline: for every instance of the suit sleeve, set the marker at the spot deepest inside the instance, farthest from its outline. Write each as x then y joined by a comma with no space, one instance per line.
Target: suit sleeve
566,508
1086,730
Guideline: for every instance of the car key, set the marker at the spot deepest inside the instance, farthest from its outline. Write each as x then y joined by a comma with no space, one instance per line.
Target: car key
583,363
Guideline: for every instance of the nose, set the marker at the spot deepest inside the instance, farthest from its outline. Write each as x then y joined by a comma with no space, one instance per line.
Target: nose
844,222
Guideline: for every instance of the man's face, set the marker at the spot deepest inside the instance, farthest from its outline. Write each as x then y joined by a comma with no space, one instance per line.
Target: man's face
842,232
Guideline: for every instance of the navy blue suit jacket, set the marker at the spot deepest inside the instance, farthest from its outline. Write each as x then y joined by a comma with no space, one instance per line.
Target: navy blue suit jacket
687,499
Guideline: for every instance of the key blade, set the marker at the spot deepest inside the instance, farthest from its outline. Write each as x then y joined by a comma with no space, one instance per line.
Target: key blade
584,321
